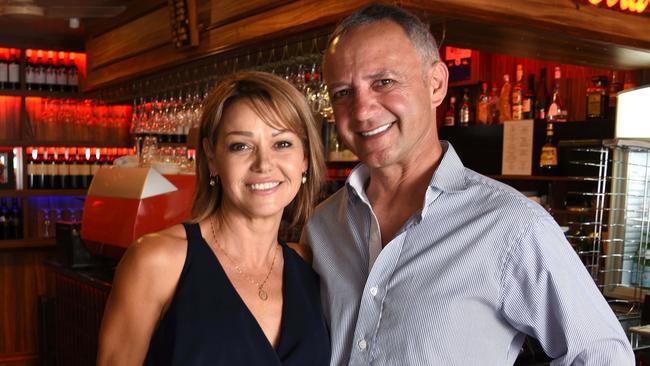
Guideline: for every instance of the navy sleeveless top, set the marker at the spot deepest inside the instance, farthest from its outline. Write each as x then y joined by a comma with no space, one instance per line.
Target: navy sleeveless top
208,324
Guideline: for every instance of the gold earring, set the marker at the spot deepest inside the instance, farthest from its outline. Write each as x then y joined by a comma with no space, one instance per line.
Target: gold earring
214,179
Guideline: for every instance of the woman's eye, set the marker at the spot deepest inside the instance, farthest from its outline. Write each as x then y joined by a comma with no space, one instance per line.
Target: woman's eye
237,147
283,144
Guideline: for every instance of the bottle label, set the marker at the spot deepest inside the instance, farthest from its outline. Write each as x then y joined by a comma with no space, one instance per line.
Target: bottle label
29,75
449,121
39,75
482,113
50,76
525,106
84,169
73,79
4,72
51,169
548,156
73,169
63,169
39,169
593,105
14,72
31,169
517,112
61,77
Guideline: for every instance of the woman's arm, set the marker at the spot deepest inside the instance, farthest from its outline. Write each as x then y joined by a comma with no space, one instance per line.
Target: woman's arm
142,288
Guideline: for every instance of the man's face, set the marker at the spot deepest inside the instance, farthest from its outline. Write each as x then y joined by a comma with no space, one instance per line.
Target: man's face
384,98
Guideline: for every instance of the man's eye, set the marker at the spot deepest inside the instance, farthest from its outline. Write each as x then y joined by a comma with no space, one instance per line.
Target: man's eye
237,146
283,144
385,82
341,93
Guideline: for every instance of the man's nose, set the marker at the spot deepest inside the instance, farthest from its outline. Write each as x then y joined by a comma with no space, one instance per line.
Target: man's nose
363,106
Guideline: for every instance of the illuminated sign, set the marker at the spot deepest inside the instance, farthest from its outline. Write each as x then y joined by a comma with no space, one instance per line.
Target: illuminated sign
631,6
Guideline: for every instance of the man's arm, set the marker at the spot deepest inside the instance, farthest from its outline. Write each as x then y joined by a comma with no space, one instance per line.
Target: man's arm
547,293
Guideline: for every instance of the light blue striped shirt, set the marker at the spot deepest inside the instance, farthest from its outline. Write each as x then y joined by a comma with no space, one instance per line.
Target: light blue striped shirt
465,278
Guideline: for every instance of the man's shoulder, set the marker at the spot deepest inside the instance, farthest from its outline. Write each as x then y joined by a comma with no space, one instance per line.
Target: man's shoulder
332,203
501,196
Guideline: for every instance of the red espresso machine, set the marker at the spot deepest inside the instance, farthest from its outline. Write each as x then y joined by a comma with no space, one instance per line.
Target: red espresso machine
124,204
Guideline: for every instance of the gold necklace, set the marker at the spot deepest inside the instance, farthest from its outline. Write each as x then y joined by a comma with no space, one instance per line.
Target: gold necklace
261,293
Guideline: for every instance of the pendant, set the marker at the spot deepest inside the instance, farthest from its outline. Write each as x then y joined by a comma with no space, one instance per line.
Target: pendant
262,294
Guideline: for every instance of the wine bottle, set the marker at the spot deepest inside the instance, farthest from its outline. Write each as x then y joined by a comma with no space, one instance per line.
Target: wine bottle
548,156
541,97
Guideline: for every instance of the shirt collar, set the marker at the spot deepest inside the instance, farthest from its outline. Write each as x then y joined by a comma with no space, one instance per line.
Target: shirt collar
448,177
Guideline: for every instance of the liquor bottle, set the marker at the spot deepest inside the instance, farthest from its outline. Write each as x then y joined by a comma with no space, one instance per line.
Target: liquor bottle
39,71
30,71
41,168
493,104
597,98
16,220
73,74
4,70
32,168
482,103
14,70
615,86
504,100
61,73
91,160
63,170
556,110
548,156
73,163
50,72
450,115
51,170
528,103
518,95
464,110
541,97
4,225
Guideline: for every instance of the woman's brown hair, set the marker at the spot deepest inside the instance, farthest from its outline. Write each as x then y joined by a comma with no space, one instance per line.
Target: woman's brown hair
278,104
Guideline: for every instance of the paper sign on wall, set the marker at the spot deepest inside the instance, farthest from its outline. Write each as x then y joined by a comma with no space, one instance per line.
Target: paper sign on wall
517,157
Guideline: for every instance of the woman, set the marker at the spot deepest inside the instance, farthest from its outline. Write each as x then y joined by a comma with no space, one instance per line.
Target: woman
223,290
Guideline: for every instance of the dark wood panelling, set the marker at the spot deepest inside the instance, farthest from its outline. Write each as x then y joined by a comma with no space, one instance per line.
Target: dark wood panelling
582,21
19,359
143,34
22,279
280,21
226,11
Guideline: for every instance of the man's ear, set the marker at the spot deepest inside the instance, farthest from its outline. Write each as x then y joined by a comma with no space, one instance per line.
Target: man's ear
208,149
439,80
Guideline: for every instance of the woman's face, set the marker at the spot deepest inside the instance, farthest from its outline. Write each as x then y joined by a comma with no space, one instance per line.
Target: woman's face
260,167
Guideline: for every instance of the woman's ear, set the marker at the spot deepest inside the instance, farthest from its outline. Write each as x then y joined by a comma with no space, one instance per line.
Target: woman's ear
208,149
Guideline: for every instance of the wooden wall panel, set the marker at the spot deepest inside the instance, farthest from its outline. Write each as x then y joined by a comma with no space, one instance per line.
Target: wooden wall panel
611,38
19,359
141,35
568,16
283,20
225,11
22,279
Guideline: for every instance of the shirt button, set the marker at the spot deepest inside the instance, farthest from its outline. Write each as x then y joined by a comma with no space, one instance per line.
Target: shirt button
373,291
362,344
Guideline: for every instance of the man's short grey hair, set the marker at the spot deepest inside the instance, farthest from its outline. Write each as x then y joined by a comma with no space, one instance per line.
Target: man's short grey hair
417,32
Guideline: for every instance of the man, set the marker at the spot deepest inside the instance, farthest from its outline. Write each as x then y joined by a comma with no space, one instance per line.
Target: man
425,262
